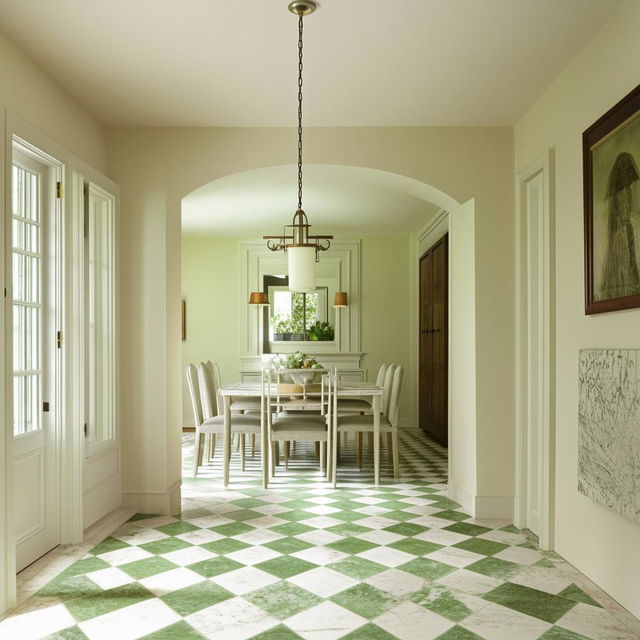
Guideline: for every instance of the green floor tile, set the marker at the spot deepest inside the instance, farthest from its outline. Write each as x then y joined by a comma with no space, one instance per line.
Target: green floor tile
66,587
348,516
369,632
532,602
467,528
224,546
481,546
299,504
348,529
575,593
365,600
232,528
97,604
178,631
297,516
176,528
546,564
496,568
243,514
247,503
451,515
459,633
147,567
444,503
86,565
558,633
400,516
291,528
406,529
288,545
214,566
426,568
70,633
510,529
415,547
277,633
351,545
355,567
166,545
108,544
282,599
441,601
195,597
285,566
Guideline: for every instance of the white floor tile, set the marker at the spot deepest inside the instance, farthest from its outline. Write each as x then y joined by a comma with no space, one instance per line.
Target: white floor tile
234,619
319,536
200,536
130,622
326,621
188,555
163,583
469,582
378,536
244,580
594,622
253,555
387,556
410,621
320,555
495,622
323,582
123,556
110,578
455,557
29,626
399,583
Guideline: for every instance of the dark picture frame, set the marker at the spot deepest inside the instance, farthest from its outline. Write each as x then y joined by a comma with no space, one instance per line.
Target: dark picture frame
611,174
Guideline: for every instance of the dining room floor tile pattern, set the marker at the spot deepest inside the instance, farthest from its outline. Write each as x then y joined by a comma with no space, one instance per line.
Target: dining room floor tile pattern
302,560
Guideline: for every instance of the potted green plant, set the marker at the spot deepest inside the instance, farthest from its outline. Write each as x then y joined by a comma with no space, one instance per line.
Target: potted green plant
281,327
298,360
320,331
297,329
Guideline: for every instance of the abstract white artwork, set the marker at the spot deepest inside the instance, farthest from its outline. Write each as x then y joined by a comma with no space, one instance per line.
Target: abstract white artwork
609,429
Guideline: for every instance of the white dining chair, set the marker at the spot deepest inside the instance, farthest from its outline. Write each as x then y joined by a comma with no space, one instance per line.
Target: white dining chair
296,419
364,423
204,393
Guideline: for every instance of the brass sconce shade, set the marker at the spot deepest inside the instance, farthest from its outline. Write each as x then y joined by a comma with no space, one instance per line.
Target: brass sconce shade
341,299
259,298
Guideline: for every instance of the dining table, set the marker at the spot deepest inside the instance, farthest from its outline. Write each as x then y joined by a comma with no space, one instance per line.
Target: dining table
238,391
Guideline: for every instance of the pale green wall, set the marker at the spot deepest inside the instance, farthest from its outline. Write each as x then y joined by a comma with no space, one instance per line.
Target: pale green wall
210,285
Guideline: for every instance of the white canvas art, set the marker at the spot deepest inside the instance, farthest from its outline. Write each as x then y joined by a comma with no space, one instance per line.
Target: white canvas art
609,429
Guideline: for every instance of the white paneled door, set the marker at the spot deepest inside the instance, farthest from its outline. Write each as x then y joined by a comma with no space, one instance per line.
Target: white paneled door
34,229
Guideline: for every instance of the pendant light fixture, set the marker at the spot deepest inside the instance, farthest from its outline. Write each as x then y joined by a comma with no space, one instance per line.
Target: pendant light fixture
301,248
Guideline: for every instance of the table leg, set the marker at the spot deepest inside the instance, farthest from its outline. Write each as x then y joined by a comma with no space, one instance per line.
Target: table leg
226,440
376,438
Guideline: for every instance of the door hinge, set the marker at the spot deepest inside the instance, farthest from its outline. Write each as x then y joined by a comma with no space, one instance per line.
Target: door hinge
58,189
86,430
59,339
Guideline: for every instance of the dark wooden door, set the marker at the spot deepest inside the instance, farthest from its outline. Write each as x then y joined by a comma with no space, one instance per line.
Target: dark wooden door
434,352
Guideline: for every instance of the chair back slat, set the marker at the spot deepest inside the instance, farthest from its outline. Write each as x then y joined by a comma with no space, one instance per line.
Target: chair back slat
386,394
194,391
382,372
207,391
394,401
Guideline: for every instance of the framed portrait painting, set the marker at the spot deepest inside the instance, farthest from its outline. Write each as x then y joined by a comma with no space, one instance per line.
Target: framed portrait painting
611,164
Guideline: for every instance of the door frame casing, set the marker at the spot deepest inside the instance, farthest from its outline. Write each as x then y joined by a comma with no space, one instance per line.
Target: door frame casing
545,353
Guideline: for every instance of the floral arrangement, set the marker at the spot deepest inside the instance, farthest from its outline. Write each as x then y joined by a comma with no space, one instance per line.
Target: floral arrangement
298,360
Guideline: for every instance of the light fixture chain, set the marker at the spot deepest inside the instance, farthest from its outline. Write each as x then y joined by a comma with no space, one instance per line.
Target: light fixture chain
300,111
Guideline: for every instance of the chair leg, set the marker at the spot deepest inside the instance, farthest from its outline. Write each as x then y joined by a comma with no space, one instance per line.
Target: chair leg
359,449
287,449
242,450
274,456
338,447
196,453
396,455
370,444
253,445
322,454
212,445
334,458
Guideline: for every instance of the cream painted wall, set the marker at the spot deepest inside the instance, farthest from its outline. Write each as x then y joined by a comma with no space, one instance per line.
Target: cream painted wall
210,285
29,93
31,96
600,543
156,168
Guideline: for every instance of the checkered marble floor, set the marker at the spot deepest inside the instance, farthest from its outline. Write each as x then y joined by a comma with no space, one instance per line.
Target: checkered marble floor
302,560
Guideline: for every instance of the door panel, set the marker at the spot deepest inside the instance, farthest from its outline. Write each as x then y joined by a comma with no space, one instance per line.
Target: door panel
33,280
434,353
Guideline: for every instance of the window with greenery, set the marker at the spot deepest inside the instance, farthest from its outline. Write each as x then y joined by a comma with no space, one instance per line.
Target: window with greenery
296,316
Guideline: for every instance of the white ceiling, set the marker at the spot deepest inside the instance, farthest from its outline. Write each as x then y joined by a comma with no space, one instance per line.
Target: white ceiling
367,62
338,200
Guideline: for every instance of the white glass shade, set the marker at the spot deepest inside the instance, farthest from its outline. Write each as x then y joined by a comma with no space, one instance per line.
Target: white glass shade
302,269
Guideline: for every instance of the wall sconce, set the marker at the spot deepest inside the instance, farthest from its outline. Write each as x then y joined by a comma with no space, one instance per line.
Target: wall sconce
340,299
258,299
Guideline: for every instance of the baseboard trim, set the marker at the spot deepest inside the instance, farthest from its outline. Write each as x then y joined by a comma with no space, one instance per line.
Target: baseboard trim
167,502
463,497
494,508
